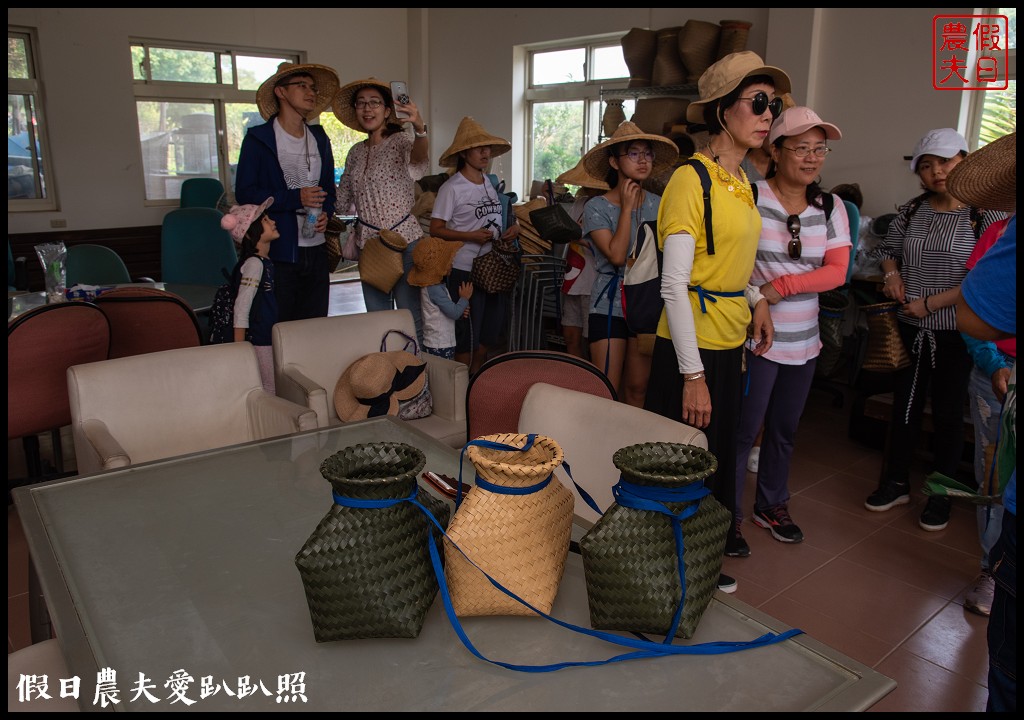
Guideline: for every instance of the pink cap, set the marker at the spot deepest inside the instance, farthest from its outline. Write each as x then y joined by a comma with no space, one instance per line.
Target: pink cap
798,120
240,217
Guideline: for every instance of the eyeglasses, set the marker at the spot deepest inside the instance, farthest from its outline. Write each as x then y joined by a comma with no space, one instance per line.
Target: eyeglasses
803,151
363,104
795,246
303,85
638,155
760,102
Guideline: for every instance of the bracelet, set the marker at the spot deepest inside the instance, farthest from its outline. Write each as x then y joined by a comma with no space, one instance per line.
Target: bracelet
889,275
694,376
926,308
420,134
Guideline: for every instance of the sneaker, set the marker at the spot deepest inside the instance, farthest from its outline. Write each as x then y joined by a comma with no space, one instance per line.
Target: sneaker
753,458
887,496
735,545
936,513
979,599
727,583
777,520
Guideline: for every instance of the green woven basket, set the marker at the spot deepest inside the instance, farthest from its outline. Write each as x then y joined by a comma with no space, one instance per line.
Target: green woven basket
629,556
367,572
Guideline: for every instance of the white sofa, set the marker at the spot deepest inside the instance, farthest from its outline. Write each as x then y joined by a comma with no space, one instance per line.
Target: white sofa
161,404
310,355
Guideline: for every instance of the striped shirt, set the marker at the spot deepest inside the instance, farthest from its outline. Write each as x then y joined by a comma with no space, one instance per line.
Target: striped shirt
932,249
795,317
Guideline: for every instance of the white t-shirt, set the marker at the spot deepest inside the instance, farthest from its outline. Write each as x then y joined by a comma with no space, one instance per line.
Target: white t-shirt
466,206
300,162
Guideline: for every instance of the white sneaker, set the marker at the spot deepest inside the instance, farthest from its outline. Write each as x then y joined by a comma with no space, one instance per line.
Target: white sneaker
753,458
979,598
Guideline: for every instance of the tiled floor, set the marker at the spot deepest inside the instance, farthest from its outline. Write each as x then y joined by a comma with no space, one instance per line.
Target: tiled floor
872,585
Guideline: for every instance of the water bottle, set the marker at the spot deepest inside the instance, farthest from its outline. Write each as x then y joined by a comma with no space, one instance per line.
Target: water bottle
309,226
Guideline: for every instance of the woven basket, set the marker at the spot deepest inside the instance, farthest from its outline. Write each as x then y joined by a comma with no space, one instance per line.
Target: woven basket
668,65
614,115
630,556
658,115
367,572
698,43
332,236
380,262
519,540
733,38
832,306
639,46
885,349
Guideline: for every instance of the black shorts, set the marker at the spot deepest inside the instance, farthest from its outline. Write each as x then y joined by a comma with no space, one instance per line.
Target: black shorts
597,328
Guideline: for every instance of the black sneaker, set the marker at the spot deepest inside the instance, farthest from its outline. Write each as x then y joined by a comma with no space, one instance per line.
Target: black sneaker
777,520
727,583
887,496
936,513
735,545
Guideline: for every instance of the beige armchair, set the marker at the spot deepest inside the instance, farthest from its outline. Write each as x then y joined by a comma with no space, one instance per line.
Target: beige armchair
590,429
310,356
145,407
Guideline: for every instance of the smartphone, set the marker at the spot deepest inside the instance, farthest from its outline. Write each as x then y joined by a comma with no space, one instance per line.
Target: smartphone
400,95
443,483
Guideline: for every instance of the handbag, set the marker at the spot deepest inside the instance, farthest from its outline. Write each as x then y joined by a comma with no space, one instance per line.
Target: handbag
885,349
422,404
380,264
553,222
832,306
497,271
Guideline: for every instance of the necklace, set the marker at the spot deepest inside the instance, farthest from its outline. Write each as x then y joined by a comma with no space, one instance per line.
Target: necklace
738,186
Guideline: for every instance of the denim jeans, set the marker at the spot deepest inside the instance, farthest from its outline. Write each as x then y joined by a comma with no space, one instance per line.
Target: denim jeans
985,409
402,295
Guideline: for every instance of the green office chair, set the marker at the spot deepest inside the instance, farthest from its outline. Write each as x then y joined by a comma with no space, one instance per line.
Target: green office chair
852,212
201,192
95,265
194,248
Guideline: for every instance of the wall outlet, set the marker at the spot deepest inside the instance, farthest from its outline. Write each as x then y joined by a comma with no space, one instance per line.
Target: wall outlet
59,223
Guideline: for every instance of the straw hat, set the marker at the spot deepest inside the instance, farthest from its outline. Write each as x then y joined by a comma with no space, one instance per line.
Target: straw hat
471,134
343,108
325,79
238,219
595,162
432,260
725,76
987,178
374,384
578,175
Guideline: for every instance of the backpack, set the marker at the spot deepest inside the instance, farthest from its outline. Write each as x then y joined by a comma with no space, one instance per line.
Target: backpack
222,311
641,283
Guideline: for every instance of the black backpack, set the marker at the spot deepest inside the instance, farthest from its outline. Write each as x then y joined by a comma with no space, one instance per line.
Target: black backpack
222,311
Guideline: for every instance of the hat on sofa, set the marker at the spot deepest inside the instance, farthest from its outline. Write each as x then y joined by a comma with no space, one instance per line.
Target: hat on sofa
325,79
432,260
374,384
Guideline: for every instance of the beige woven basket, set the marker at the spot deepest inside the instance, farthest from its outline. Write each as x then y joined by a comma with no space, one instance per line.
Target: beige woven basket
733,38
519,540
639,46
698,43
885,349
380,262
658,115
668,65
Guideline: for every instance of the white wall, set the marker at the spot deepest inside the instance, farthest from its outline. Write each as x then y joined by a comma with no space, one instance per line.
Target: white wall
869,71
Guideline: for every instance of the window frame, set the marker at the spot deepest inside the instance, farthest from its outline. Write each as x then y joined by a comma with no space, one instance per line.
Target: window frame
33,86
972,105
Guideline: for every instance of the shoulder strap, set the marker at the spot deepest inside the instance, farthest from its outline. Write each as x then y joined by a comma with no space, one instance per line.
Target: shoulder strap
828,202
976,221
705,184
753,190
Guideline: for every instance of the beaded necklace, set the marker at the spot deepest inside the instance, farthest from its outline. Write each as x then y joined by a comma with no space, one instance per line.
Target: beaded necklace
738,186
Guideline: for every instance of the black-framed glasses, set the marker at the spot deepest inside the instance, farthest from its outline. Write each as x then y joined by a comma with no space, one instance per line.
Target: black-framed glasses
803,151
302,84
372,104
795,246
760,102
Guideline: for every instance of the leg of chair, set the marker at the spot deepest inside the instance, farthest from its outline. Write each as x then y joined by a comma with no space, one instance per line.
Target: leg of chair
58,451
33,463
40,626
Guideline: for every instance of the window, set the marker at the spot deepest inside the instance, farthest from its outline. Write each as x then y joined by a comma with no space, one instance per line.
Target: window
993,113
563,101
28,151
194,106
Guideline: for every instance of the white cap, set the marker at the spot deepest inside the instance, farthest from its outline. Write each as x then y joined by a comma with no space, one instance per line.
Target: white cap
943,143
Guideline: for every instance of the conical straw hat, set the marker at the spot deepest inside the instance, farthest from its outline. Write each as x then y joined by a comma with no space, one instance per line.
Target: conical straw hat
987,178
325,79
471,134
596,160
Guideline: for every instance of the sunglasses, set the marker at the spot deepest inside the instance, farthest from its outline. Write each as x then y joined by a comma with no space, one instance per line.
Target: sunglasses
795,246
760,102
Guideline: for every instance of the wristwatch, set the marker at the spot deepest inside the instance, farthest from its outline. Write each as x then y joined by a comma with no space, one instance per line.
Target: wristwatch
421,134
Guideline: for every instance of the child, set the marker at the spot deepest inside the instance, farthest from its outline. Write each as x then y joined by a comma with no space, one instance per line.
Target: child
432,262
255,303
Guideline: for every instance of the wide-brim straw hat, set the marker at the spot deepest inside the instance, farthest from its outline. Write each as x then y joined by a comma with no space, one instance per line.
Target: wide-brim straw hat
595,162
325,79
987,178
343,108
725,76
432,260
471,134
578,175
374,384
